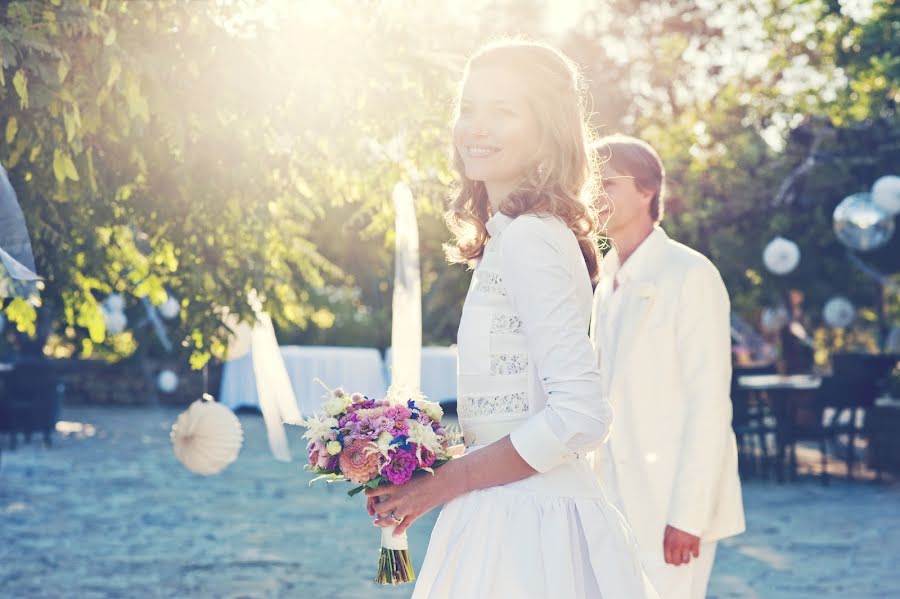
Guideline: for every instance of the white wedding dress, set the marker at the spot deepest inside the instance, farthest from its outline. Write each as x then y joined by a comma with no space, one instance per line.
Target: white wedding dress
526,369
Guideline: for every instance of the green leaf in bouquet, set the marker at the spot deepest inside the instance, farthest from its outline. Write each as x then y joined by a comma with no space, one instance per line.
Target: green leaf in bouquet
372,484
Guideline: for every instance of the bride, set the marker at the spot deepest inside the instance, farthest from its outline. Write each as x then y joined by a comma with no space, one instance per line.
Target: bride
523,514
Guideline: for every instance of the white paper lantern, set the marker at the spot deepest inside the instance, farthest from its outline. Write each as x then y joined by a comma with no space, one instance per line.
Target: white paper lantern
886,194
170,308
115,302
781,256
839,312
167,381
207,437
773,320
116,321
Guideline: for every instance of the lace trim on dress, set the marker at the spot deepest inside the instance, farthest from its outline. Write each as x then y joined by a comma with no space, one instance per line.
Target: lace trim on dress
507,364
490,282
474,406
506,324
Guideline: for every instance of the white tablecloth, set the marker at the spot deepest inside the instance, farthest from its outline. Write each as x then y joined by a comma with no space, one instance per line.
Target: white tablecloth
353,368
438,372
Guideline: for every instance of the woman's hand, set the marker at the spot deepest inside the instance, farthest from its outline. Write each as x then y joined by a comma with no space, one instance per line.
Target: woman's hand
407,503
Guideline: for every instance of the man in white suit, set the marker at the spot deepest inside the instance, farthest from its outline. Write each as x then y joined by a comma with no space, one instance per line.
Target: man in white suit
661,330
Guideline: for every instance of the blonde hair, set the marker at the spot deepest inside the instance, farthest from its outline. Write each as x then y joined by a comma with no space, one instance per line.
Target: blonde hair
561,182
636,158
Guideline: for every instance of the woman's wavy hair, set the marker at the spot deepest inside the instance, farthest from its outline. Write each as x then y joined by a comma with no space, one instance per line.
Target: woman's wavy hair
561,181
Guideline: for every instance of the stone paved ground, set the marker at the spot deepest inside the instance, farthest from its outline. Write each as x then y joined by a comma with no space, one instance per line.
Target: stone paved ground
108,512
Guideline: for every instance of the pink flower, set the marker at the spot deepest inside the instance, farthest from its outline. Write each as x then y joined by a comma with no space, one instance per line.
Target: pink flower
401,466
359,461
398,413
399,429
318,455
427,458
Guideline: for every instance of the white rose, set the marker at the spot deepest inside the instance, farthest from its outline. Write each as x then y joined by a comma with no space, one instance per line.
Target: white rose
333,447
432,409
337,403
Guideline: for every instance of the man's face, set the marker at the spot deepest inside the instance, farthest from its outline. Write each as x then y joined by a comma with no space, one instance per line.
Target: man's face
625,205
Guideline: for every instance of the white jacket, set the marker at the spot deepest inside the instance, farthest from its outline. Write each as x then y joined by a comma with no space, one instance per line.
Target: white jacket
672,445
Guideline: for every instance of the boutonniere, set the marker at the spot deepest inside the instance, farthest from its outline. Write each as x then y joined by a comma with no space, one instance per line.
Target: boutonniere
647,290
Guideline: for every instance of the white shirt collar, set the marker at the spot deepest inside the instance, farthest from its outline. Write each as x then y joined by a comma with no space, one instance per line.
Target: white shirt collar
638,262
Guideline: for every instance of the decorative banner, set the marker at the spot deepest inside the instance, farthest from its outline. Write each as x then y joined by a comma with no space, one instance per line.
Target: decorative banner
167,381
241,337
207,437
781,256
170,308
273,386
860,224
773,320
839,312
886,194
17,269
115,321
406,319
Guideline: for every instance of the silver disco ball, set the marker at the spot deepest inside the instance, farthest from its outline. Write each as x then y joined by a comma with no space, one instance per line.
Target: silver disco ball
861,224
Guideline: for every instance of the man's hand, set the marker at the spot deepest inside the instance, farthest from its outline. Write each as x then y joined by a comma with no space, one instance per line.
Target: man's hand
679,546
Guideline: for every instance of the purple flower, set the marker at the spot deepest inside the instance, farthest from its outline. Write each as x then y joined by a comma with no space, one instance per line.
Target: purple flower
401,466
364,429
383,425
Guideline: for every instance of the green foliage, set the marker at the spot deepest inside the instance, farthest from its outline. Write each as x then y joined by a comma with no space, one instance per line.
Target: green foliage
207,150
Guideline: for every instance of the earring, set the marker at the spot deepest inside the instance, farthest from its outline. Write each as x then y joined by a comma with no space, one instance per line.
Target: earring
541,168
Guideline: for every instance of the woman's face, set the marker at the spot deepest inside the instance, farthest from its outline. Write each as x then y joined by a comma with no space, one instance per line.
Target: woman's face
496,133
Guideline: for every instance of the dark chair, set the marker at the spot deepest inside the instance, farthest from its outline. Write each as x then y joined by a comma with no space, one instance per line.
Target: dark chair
752,424
856,383
32,399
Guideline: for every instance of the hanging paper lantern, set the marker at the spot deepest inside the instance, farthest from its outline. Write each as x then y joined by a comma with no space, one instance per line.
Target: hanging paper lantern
781,256
116,321
167,381
839,312
115,302
207,437
170,308
886,194
773,320
862,225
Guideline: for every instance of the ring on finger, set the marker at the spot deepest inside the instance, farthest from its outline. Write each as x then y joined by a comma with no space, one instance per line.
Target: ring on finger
395,518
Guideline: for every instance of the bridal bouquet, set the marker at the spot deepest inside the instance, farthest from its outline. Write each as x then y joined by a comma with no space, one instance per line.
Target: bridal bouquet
371,442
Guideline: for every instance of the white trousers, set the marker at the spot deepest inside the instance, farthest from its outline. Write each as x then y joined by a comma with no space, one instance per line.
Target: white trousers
687,581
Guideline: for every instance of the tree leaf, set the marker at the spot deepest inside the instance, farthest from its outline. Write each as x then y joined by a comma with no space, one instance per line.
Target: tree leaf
20,82
69,167
12,127
59,165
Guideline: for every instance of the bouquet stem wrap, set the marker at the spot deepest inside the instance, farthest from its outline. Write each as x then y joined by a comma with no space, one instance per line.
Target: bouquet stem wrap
394,567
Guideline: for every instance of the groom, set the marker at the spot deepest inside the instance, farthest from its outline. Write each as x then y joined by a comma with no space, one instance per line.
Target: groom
661,333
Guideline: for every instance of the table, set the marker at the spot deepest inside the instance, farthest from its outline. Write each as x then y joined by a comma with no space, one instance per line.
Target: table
780,393
438,382
353,368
